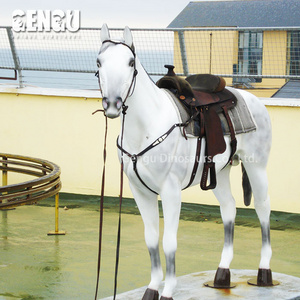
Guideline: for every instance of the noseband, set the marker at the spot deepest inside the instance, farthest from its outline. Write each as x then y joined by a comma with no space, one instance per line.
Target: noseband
135,72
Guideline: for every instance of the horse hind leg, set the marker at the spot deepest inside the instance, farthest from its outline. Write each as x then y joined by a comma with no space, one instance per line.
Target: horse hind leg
228,213
259,184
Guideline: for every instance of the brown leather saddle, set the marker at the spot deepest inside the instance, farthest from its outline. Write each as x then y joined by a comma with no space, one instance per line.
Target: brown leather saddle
204,96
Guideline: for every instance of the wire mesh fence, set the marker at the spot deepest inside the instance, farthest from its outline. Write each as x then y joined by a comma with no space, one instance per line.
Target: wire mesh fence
251,57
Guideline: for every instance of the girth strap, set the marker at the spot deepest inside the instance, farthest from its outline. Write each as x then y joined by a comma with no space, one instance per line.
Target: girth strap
233,142
196,163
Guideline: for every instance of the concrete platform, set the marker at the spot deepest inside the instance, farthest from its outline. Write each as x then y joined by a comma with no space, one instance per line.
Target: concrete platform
190,287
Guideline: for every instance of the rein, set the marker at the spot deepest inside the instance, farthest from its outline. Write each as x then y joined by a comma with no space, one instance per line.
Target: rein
102,209
101,204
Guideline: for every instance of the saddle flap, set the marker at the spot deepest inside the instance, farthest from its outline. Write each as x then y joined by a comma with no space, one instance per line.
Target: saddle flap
214,134
214,99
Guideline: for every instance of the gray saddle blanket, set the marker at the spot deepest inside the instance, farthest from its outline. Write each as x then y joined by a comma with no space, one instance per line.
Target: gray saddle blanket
240,116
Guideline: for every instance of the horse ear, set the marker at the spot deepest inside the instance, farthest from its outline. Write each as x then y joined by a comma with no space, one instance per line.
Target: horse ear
128,37
104,34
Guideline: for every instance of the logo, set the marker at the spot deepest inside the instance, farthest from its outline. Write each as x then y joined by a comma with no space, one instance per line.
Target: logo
46,20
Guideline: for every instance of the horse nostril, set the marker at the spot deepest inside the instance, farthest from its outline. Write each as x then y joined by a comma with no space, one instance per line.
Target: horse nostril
119,103
105,103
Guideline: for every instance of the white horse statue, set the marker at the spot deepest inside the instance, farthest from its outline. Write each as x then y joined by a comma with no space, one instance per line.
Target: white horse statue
149,115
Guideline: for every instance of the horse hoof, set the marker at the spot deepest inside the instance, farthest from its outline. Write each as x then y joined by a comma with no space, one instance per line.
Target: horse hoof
264,278
221,281
150,295
222,278
165,298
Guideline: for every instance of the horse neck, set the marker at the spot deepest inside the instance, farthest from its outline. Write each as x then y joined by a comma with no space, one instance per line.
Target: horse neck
145,107
146,96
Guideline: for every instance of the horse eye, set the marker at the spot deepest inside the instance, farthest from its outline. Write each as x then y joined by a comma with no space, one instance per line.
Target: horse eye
131,63
98,63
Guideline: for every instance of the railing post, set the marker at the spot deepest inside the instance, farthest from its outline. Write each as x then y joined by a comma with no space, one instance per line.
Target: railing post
56,231
183,52
15,55
4,175
56,212
210,51
4,172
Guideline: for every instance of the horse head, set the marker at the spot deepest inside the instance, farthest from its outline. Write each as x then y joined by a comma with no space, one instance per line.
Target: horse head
116,64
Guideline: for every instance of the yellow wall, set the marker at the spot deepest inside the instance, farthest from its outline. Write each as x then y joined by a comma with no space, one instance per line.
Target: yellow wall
59,129
211,58
62,129
266,93
274,62
215,52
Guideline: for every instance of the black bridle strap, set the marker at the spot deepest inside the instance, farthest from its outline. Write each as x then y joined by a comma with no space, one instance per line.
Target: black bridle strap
120,43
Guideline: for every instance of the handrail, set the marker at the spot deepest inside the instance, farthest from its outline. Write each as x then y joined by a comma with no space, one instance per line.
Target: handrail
219,50
46,184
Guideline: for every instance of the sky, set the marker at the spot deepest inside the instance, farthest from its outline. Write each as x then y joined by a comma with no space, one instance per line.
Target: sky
116,13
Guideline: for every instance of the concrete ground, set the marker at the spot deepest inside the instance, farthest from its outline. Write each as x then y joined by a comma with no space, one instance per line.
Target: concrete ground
191,287
36,266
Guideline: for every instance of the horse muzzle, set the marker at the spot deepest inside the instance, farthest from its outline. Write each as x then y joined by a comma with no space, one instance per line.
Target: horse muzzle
113,107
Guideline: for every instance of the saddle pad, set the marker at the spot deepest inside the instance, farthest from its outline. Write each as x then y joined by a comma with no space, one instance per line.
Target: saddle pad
240,116
182,113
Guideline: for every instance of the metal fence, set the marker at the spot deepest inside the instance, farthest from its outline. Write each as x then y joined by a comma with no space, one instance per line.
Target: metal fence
68,60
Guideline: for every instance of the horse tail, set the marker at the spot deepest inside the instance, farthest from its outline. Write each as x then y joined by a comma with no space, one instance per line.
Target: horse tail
247,190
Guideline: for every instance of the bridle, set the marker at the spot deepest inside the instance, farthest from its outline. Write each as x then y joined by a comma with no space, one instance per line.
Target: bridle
124,109
135,72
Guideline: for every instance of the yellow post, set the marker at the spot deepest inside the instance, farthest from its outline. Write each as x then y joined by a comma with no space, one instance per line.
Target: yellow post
4,176
56,232
56,212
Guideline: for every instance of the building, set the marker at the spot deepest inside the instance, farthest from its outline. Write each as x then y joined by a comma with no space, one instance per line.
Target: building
258,41
290,90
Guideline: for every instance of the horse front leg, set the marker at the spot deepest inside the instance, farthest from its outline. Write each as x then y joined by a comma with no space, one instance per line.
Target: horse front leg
228,213
148,206
171,202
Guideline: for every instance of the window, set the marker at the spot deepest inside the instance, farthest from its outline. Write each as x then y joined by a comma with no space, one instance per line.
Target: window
293,59
250,53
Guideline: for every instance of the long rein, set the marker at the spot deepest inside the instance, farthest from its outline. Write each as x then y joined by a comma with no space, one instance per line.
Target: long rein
134,160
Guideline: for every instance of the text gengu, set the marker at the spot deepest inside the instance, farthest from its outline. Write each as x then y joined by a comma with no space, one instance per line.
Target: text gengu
45,20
